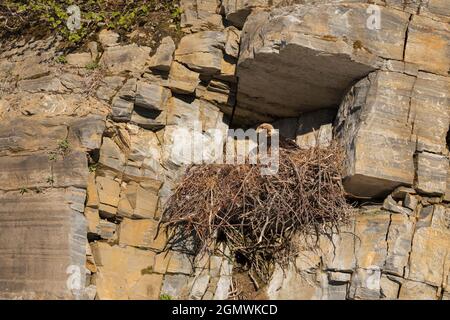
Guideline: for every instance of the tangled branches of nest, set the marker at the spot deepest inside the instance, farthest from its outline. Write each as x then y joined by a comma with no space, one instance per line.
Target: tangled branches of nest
257,216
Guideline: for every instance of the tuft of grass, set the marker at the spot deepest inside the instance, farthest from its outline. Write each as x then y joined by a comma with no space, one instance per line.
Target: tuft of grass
61,59
165,297
92,65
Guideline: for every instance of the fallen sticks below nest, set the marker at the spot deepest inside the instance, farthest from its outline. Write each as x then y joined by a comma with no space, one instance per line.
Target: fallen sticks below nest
255,215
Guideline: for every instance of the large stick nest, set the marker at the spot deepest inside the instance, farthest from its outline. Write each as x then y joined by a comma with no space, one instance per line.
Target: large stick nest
256,215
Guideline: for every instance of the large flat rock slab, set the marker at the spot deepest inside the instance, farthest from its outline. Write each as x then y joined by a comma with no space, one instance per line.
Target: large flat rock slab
302,58
42,243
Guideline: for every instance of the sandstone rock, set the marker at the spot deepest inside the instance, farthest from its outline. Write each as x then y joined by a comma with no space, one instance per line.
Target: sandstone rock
108,38
131,57
175,286
202,51
88,131
147,287
236,12
411,290
93,220
108,194
182,80
400,192
79,60
315,128
47,83
163,57
429,104
50,239
431,176
138,233
38,171
109,87
391,205
272,84
111,156
339,249
136,201
148,119
290,285
389,288
399,241
120,270
150,96
374,117
17,134
180,263
200,15
200,285
121,109
107,230
410,201
365,284
427,44
232,42
429,256
371,246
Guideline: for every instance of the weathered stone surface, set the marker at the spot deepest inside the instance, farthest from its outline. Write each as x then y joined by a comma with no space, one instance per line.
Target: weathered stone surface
391,205
111,156
147,287
108,194
108,38
430,104
202,51
120,270
163,57
151,96
429,261
125,58
200,15
389,288
180,263
374,117
399,240
138,233
370,246
138,201
37,251
87,131
427,44
182,80
431,176
236,12
411,290
275,82
175,286
48,83
38,171
79,59
315,128
365,284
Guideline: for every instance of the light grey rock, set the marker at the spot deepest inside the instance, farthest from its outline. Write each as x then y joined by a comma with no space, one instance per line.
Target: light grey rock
163,57
202,51
119,59
391,205
151,96
175,285
375,129
431,173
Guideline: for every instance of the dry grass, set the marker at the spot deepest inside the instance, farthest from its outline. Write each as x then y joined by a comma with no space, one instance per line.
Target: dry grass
257,216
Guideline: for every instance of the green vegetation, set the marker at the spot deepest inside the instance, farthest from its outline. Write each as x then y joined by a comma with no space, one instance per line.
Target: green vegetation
61,59
23,191
61,150
48,16
165,297
92,65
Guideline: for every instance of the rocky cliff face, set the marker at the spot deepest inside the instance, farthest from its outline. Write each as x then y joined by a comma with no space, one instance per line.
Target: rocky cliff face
88,159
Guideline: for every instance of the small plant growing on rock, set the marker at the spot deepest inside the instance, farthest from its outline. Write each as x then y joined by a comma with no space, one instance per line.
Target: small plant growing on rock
61,59
165,297
23,191
148,270
92,65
